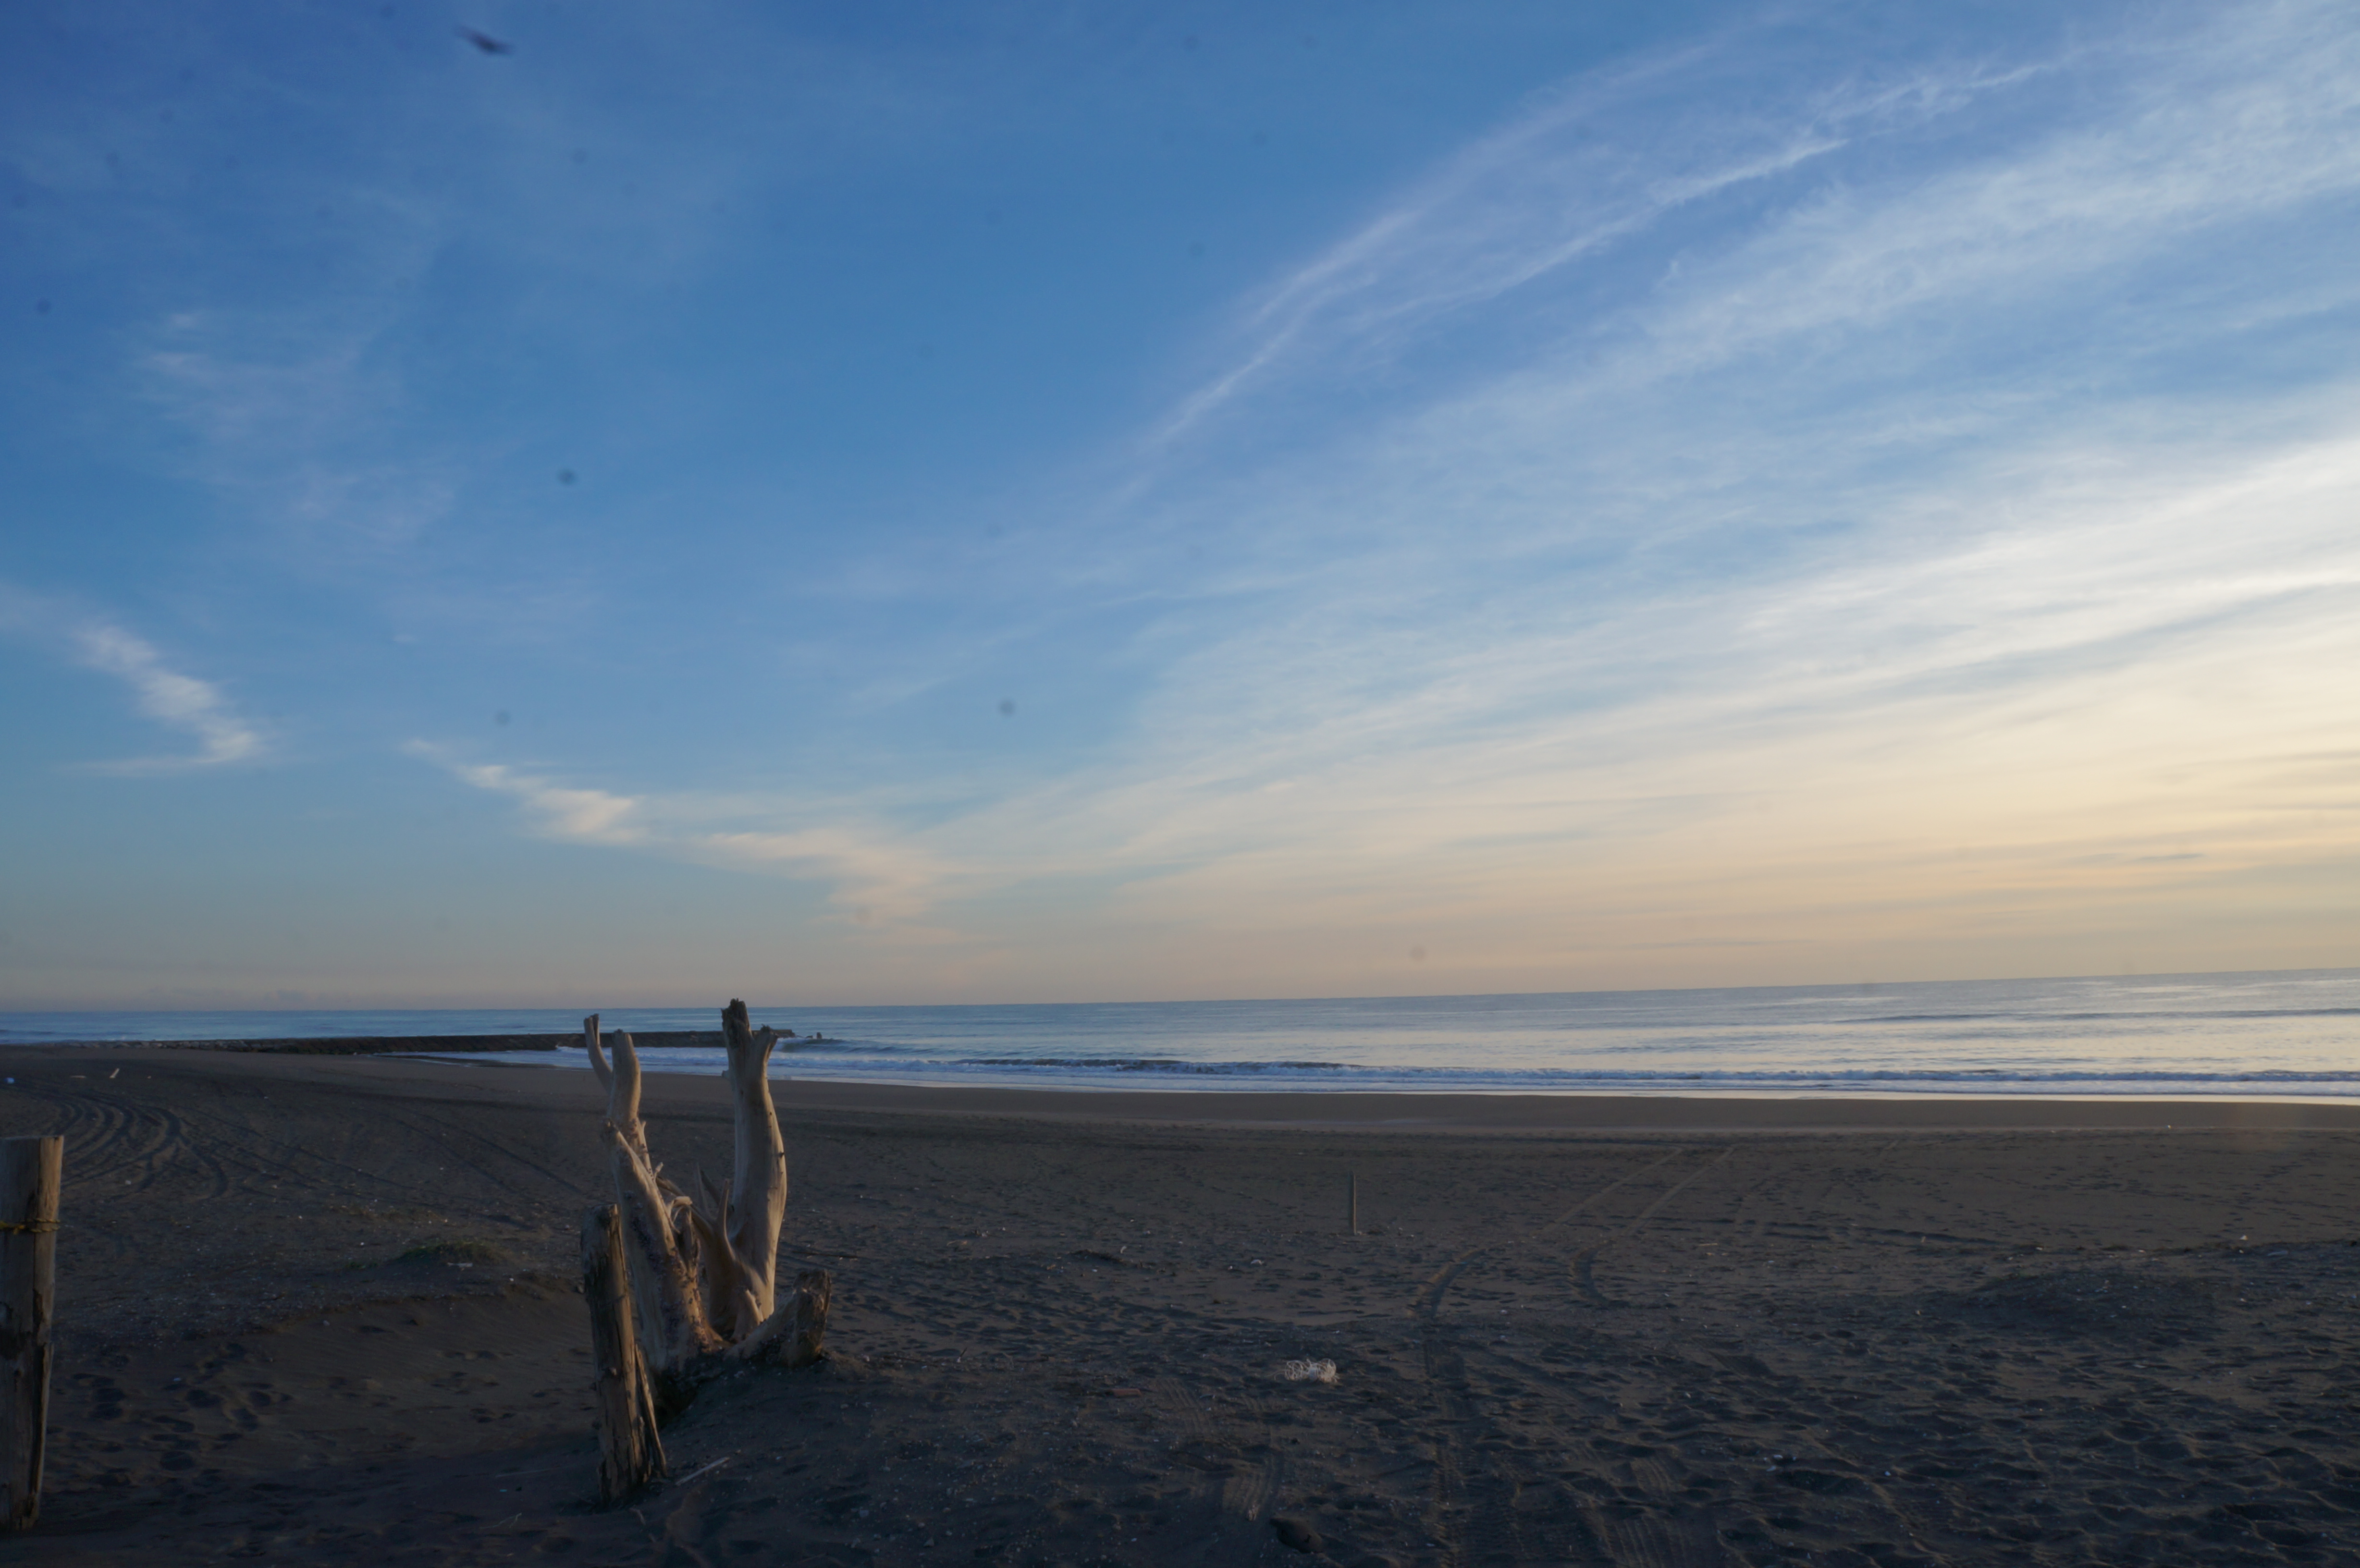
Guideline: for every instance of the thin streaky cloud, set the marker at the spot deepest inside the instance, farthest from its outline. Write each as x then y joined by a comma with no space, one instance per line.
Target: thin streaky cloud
558,810
1830,483
2087,203
1546,449
1398,711
1271,760
175,700
1543,193
291,415
875,879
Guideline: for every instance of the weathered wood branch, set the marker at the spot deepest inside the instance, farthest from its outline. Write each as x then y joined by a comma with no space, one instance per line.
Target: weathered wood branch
757,1205
597,1057
719,1279
667,1285
31,1172
630,1452
623,1099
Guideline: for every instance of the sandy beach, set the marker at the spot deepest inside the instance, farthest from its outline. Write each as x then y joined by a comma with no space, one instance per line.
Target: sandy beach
320,1309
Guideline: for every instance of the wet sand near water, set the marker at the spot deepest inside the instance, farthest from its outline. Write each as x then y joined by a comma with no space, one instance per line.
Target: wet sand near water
321,1310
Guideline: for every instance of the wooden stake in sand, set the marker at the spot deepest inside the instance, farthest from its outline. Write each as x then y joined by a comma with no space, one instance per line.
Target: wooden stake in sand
631,1454
1352,1202
31,1170
703,1275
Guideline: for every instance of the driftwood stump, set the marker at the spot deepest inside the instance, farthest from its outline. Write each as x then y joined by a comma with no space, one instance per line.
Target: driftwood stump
701,1271
791,1335
30,1175
631,1453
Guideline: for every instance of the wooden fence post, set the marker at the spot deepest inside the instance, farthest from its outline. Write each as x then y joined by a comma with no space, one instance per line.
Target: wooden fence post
631,1453
30,1173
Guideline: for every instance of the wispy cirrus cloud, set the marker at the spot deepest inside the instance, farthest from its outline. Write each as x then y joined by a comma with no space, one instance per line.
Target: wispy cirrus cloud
875,879
558,810
1849,513
171,697
1913,537
882,879
179,701
1564,183
292,410
2193,123
2088,733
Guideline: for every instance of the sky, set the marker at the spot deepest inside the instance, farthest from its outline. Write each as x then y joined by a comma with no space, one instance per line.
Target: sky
538,505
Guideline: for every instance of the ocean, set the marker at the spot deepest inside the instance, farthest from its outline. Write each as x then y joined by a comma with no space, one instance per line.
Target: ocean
2286,1034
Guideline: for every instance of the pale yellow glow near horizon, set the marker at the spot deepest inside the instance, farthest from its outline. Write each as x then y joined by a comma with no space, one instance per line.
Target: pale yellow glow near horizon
2097,742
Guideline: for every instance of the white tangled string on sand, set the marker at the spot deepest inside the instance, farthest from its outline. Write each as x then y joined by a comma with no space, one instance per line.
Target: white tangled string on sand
1308,1371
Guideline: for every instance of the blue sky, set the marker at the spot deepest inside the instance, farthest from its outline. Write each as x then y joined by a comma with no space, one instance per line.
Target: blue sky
1047,502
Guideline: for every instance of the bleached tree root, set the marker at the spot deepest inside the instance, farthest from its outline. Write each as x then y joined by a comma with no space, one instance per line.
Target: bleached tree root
631,1453
700,1277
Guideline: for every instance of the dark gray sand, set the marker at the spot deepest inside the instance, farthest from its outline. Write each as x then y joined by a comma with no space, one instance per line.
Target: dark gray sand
321,1310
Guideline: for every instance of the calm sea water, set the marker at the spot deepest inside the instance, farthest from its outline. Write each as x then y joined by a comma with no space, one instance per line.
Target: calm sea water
2279,1034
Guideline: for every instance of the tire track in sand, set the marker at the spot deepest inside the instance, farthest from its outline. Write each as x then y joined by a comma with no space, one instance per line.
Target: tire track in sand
1644,1539
1241,1486
1583,1265
1430,1300
107,1136
1484,1494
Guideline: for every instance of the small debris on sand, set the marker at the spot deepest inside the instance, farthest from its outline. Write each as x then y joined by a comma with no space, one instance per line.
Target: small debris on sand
1295,1533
